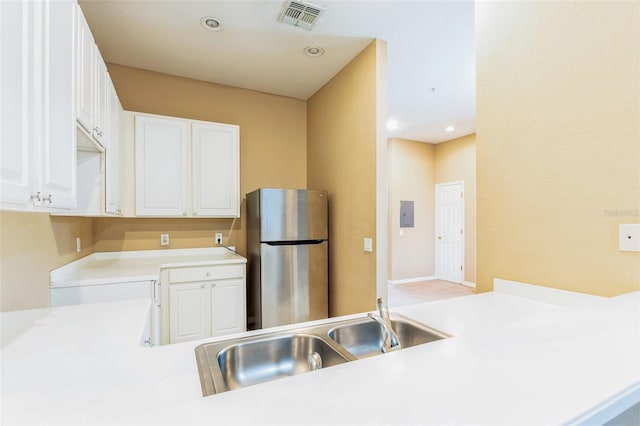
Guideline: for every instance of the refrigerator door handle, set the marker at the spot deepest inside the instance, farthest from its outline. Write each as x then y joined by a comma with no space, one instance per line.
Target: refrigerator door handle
293,243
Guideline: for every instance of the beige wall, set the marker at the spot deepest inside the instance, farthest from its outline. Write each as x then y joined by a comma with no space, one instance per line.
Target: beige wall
558,151
342,140
122,234
414,169
411,178
456,160
273,152
33,244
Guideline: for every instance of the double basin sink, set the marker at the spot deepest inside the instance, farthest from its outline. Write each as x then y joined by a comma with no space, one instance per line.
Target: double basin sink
233,364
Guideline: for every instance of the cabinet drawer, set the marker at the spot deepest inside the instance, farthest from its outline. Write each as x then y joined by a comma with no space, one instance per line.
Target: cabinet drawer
206,273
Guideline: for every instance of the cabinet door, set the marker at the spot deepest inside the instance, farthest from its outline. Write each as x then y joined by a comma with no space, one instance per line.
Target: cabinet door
215,170
85,73
101,101
189,312
161,166
112,153
227,307
15,85
58,133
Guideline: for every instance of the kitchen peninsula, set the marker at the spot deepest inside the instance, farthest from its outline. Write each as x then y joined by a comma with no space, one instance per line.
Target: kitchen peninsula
511,360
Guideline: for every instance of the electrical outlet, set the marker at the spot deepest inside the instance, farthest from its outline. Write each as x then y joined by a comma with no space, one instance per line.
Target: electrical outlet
164,239
218,237
78,245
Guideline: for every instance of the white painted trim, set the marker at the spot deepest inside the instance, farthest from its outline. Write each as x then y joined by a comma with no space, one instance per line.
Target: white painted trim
545,294
382,190
412,280
469,284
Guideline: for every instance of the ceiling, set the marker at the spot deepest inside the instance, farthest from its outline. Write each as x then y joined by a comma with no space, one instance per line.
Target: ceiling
431,56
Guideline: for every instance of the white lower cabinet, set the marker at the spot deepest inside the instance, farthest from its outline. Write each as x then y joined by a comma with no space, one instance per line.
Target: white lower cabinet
189,310
203,302
227,307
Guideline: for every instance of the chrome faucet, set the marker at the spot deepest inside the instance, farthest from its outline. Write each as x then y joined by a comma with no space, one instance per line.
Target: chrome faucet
390,340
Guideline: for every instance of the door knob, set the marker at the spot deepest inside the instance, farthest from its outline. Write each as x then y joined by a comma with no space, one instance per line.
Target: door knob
439,237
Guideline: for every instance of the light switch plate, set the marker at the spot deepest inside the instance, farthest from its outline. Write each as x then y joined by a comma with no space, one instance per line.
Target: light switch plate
368,245
629,237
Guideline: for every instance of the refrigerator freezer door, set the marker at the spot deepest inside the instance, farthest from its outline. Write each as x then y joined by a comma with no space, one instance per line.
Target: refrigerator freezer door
293,215
294,283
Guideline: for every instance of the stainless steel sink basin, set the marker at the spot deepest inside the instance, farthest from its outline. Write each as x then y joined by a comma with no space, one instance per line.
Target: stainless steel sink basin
364,337
236,363
249,363
229,365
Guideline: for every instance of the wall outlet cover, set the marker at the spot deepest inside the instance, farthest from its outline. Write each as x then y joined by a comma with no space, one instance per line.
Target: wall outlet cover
164,239
629,237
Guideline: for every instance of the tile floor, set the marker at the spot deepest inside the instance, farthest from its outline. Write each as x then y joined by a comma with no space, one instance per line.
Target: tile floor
425,291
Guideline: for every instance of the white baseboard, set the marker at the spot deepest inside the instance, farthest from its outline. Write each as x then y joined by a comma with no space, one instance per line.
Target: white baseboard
412,280
469,284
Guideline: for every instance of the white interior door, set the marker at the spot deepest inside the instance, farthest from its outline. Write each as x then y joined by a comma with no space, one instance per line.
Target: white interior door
449,231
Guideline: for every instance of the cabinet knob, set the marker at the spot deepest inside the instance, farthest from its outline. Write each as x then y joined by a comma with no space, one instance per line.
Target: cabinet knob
184,213
213,285
195,213
208,274
47,198
201,285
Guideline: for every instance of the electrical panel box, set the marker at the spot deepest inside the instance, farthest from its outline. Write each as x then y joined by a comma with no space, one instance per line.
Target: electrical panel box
406,214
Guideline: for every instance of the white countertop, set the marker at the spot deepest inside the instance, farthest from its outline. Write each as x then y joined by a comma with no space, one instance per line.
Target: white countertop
512,360
129,266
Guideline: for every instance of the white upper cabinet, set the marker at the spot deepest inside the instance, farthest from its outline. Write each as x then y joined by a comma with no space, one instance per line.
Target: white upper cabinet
58,147
113,196
92,84
86,74
186,168
38,142
101,132
16,85
215,171
161,166
97,113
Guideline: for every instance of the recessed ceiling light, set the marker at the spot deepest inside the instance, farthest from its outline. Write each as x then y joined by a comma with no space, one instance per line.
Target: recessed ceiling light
449,129
212,24
392,124
313,51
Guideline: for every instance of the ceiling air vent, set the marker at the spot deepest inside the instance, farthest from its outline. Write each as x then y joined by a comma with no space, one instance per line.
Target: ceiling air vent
300,14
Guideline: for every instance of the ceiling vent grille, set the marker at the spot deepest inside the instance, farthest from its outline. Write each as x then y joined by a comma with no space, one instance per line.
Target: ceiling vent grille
300,14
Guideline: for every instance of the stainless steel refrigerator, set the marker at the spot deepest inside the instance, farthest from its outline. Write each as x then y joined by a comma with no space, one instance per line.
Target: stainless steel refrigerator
287,243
